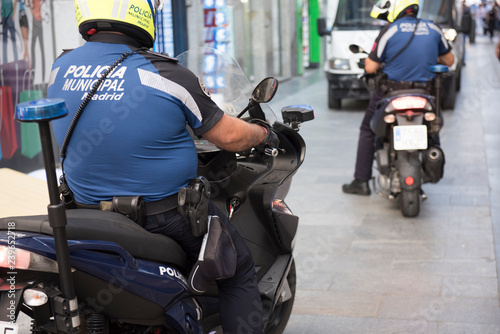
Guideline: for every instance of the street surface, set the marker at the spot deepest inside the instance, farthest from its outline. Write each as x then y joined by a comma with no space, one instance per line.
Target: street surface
364,268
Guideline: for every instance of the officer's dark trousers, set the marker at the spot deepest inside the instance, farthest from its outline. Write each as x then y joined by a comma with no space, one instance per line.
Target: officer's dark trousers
366,142
240,304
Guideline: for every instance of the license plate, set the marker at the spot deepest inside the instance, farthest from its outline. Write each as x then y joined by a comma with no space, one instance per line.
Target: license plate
410,137
8,327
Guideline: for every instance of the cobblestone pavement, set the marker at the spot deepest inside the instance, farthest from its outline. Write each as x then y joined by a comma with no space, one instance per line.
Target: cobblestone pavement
361,266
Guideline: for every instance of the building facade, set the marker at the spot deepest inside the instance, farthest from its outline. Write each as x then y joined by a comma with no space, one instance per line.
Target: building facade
267,38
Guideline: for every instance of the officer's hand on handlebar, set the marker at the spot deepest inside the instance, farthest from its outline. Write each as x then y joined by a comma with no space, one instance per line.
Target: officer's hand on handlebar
361,63
271,143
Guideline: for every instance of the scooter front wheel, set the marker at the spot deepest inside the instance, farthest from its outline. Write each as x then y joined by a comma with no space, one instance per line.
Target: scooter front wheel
281,313
410,202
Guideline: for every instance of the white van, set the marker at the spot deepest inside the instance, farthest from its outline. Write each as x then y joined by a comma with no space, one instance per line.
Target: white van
349,22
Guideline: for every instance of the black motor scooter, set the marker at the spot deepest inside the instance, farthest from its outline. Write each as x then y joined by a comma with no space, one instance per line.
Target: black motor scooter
93,271
407,124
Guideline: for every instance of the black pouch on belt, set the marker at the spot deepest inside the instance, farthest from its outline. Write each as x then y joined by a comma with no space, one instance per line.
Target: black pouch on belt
131,206
66,194
193,205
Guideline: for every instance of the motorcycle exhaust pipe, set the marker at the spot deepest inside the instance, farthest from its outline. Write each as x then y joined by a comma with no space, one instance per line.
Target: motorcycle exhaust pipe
434,164
434,154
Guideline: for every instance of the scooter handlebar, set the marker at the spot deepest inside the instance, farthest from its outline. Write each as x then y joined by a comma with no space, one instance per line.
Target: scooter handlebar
271,151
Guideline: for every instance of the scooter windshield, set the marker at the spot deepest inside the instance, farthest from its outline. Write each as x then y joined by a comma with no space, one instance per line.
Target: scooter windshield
223,78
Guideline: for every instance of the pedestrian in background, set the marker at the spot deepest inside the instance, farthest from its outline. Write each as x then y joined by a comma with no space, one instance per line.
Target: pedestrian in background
491,18
466,27
37,34
8,28
497,51
482,12
23,24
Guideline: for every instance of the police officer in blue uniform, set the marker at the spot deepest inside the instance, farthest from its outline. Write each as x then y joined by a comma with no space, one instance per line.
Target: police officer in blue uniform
131,138
407,47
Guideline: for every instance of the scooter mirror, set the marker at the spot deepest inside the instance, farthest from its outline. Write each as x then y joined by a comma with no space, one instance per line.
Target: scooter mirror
322,29
356,49
265,90
263,93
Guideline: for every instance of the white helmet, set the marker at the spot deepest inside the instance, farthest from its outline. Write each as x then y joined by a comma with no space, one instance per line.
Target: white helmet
391,10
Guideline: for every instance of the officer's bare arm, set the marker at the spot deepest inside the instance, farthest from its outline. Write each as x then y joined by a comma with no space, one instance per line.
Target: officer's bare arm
447,59
371,66
233,134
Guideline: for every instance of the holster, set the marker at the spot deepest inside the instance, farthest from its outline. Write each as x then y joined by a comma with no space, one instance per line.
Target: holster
375,81
131,206
193,205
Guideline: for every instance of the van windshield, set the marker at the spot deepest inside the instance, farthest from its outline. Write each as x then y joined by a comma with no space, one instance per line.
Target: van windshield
355,14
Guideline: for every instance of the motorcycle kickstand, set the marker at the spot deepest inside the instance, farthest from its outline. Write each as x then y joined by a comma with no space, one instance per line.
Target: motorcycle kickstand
423,195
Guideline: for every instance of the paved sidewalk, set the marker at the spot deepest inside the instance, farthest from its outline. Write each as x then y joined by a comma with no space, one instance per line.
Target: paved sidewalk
361,266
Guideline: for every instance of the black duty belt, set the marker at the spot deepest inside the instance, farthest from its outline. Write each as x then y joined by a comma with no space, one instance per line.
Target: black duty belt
163,205
399,85
152,208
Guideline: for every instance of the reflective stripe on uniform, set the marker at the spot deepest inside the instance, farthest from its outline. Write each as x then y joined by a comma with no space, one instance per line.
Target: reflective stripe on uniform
158,82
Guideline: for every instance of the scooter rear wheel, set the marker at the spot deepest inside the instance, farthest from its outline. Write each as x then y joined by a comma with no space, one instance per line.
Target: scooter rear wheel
410,202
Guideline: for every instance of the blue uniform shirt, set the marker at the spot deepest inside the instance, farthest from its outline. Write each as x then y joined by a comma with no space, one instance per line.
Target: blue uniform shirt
413,64
132,138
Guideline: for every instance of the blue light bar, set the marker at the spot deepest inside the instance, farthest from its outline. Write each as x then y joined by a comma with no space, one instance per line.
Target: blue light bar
41,110
439,69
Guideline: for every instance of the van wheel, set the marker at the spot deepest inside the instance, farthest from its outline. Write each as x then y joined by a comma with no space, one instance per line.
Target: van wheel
450,95
458,80
333,103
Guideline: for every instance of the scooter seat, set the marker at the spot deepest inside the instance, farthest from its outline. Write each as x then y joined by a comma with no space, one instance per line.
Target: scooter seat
86,224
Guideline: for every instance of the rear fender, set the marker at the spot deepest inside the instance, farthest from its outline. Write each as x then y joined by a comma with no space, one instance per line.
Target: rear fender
409,165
